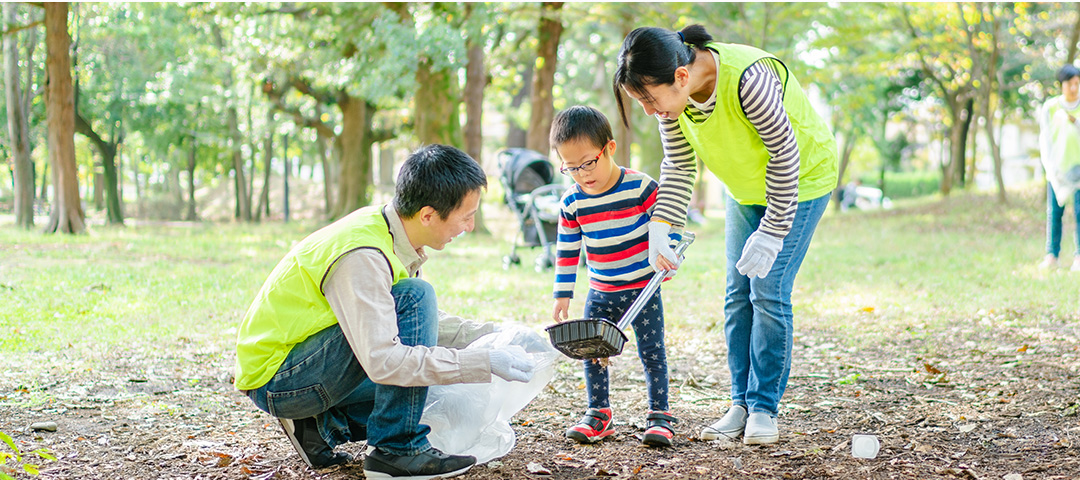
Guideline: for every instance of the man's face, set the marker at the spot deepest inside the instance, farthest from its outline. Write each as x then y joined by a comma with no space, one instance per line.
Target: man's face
441,232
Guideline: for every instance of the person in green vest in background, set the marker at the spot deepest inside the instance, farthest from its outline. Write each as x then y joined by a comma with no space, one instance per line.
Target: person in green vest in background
741,111
343,338
1059,146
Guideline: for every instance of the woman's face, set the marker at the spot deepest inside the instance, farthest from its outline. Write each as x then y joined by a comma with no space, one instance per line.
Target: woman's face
664,101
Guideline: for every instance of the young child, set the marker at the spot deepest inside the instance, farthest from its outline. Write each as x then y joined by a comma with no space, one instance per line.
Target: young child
608,209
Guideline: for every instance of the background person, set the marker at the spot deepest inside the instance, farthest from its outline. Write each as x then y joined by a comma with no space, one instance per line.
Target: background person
746,117
1059,148
343,339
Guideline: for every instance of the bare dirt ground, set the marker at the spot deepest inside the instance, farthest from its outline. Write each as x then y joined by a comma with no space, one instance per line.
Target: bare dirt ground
1001,405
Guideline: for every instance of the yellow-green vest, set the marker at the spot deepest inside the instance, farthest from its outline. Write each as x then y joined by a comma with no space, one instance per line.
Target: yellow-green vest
291,305
729,145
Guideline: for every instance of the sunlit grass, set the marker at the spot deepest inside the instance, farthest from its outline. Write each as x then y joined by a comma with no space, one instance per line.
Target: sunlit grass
870,277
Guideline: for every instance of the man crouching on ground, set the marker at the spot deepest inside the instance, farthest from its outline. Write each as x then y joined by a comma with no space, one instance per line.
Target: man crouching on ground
343,339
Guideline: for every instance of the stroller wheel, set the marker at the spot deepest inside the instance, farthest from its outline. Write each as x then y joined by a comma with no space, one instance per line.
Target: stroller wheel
511,260
543,262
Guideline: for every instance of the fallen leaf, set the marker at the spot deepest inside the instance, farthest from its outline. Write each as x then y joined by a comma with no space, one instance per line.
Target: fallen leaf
537,468
867,309
931,369
1022,349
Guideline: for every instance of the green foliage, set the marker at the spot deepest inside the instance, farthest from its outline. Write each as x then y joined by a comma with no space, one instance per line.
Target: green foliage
17,458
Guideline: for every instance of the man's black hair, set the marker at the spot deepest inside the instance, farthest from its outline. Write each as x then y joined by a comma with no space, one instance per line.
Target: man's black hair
438,176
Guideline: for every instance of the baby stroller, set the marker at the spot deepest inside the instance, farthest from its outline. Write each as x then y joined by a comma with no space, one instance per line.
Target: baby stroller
526,178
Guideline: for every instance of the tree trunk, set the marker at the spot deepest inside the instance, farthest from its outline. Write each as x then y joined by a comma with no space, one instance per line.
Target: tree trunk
191,214
108,178
1074,38
67,213
252,147
960,163
542,111
354,144
845,159
515,135
268,155
327,183
242,210
436,105
285,176
18,128
475,81
139,208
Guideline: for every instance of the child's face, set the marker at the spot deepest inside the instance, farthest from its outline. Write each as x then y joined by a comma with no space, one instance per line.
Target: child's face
590,166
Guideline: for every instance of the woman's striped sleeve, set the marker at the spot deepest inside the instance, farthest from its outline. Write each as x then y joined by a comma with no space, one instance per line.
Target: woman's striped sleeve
762,97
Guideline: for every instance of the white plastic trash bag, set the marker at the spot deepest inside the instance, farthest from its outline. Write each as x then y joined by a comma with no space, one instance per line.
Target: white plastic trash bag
474,418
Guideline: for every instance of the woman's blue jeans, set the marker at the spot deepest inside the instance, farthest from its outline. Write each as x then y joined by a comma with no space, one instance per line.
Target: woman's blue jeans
321,378
758,319
1054,212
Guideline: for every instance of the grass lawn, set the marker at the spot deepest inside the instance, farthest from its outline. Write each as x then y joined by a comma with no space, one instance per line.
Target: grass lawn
919,270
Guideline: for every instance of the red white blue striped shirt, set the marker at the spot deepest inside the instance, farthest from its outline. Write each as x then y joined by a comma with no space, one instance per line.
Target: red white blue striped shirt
614,227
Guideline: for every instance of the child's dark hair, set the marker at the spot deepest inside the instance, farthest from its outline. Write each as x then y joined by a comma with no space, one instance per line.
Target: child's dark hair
1067,73
580,122
650,55
438,176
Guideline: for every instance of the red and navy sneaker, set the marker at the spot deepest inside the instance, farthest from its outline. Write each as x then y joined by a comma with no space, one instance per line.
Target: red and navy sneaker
658,429
593,427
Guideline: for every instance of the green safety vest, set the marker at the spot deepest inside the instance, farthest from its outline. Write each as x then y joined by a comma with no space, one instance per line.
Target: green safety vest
291,305
729,145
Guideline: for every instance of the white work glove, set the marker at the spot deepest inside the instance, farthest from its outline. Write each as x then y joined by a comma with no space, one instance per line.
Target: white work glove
512,364
660,243
758,254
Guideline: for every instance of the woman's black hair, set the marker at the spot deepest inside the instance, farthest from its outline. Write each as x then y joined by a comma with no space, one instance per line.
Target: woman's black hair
436,176
1067,73
580,122
650,55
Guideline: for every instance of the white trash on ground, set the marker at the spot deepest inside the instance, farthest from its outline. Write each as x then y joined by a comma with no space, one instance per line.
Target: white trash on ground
864,446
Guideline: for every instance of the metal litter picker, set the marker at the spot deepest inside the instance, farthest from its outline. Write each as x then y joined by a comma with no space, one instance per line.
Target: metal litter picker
590,338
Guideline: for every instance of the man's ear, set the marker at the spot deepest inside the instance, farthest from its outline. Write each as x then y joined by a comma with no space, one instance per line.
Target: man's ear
427,214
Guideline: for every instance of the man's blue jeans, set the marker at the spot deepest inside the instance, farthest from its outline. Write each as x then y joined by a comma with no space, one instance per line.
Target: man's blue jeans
321,378
758,319
1054,212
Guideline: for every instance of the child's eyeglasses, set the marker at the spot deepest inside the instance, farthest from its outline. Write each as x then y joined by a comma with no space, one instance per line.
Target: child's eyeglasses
584,167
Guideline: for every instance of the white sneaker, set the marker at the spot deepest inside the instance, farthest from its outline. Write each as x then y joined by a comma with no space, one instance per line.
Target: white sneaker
730,426
1050,262
761,429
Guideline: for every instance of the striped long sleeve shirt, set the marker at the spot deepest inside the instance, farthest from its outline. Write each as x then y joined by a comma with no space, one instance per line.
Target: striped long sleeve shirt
761,95
614,228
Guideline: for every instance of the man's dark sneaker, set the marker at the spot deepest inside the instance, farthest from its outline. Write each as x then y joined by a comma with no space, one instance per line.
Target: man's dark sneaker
422,466
593,427
304,435
658,429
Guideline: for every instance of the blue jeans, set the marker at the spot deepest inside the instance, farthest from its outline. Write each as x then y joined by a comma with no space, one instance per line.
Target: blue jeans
321,378
1054,212
649,330
758,320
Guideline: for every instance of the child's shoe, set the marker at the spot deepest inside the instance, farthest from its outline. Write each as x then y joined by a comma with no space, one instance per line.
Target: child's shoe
593,427
658,429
